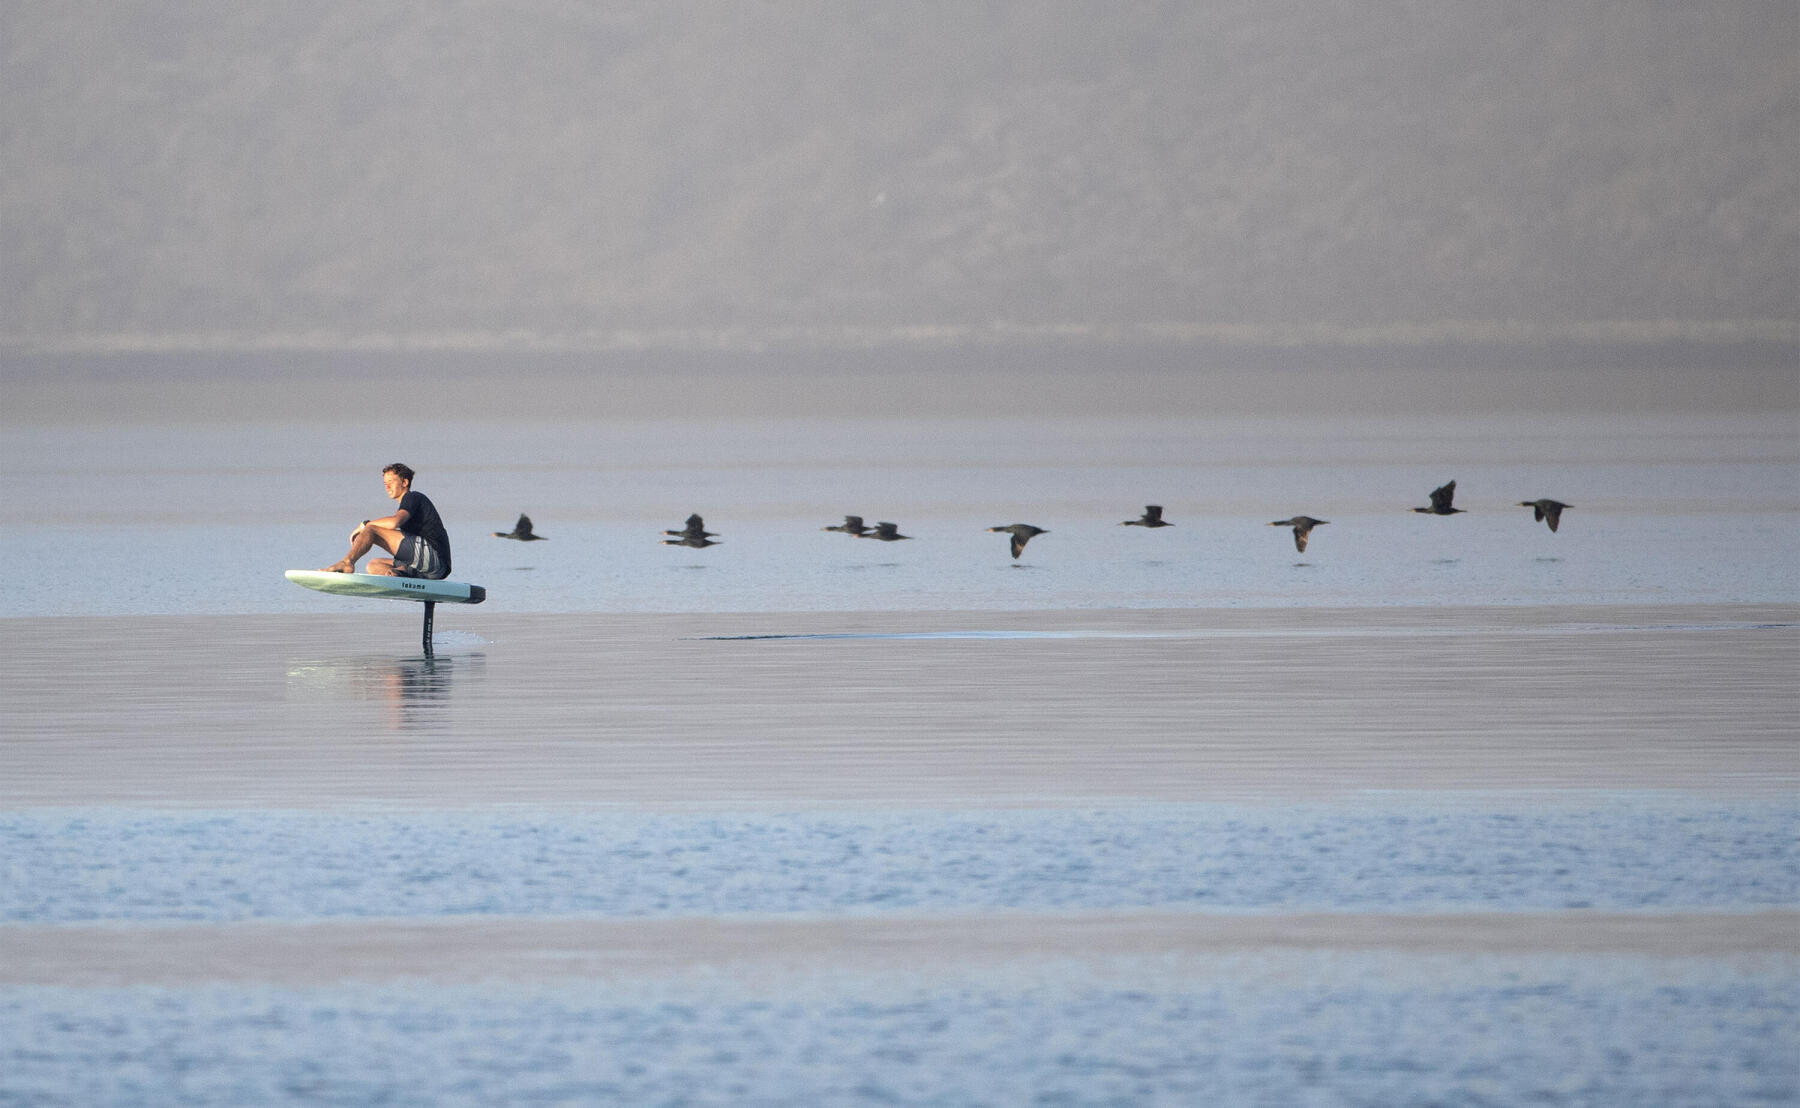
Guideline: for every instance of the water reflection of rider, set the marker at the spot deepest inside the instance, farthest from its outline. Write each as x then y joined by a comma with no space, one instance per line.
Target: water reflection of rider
416,689
414,693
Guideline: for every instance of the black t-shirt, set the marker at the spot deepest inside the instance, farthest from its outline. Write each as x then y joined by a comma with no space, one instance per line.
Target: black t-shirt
422,520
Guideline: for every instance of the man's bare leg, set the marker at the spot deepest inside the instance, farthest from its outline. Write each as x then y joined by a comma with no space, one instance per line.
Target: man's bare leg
363,540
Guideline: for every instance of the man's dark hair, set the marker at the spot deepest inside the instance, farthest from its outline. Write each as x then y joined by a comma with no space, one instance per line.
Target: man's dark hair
400,470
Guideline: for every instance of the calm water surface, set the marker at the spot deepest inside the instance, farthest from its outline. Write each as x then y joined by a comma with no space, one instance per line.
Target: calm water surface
204,519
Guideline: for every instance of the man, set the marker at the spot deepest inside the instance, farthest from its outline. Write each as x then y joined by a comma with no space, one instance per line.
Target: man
414,535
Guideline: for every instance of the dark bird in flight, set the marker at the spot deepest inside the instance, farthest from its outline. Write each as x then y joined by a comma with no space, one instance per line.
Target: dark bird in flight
852,525
1021,534
1547,511
1440,501
695,529
521,531
694,534
1152,517
1302,526
886,532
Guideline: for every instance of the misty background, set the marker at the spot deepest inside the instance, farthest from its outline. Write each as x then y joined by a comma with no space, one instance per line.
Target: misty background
327,183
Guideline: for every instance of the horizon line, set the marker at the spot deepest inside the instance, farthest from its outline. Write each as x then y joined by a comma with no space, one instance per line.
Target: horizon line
1645,332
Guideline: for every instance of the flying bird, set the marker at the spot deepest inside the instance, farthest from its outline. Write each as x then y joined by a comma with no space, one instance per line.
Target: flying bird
852,525
1302,526
1021,534
696,528
1152,517
1440,501
886,532
1547,511
694,534
521,531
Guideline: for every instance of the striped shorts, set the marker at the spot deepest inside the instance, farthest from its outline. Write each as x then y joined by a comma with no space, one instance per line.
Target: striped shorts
416,558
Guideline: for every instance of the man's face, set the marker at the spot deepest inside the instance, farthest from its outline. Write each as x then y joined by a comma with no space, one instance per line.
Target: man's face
395,485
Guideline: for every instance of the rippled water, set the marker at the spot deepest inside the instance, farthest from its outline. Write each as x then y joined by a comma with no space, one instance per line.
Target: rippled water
102,865
1270,1029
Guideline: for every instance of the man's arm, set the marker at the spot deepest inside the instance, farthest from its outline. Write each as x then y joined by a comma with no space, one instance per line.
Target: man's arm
385,523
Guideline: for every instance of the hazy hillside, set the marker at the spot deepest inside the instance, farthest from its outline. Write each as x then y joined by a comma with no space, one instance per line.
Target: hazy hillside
349,167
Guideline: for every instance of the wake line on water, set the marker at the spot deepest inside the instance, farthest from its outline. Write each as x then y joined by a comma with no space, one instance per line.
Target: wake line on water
1363,632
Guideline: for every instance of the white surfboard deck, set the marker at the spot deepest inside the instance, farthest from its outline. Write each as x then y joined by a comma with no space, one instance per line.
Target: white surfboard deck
388,588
